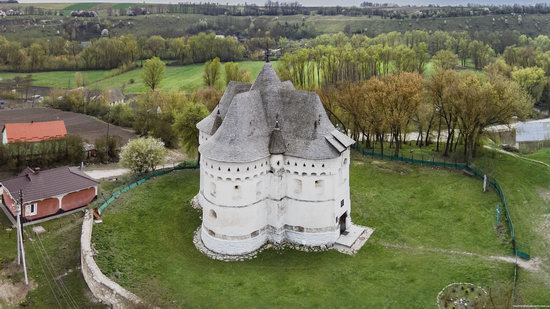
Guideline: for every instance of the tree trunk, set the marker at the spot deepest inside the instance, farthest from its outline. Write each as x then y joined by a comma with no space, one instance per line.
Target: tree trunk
438,135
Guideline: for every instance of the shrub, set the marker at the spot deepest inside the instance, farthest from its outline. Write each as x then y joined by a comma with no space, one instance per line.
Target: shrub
142,155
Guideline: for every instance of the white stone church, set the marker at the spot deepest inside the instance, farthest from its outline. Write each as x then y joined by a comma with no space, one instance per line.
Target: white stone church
273,170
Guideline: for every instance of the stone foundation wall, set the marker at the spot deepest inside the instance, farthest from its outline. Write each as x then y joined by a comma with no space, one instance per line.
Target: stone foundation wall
103,288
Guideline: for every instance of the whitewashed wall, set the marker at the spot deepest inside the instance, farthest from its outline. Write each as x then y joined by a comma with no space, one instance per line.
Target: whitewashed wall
272,199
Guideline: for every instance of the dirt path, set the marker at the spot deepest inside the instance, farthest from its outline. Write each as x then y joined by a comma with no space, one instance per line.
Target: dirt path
99,174
517,156
12,292
533,265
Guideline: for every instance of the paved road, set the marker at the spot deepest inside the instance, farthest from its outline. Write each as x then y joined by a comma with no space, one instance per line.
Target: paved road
117,172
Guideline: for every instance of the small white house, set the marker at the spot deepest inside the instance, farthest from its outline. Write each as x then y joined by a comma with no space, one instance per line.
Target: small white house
532,135
273,169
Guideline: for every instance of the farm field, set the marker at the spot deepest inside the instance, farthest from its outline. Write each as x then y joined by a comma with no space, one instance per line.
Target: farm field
187,78
154,24
413,210
59,79
89,128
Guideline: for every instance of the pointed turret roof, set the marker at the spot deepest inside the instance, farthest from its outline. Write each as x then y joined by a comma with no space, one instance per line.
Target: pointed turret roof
277,141
217,122
302,128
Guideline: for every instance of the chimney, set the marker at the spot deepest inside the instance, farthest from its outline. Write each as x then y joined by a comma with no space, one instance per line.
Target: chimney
82,165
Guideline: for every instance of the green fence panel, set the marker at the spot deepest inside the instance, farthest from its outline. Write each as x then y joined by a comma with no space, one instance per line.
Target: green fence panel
476,172
116,194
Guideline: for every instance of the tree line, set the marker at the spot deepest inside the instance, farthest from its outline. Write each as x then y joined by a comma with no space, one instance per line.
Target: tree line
334,59
109,53
276,8
69,150
450,108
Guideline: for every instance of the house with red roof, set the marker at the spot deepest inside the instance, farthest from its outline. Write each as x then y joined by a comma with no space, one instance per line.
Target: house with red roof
47,193
33,132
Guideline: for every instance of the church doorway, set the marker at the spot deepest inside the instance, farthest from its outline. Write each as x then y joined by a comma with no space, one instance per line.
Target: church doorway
342,223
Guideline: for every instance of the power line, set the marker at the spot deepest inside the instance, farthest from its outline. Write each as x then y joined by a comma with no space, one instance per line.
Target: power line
61,283
45,275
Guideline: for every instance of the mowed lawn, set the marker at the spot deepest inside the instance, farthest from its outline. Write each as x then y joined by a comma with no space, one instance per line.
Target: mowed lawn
187,78
540,155
527,187
145,244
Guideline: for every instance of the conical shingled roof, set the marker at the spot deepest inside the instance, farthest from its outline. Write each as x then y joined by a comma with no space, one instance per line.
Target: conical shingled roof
233,88
243,135
217,123
246,135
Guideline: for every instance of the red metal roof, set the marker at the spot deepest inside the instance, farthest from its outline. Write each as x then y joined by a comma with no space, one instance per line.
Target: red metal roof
35,131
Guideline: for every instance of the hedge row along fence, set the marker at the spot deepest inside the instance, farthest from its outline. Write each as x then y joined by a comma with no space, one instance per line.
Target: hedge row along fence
142,179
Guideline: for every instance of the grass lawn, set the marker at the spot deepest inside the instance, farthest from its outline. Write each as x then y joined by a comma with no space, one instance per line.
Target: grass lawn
540,155
145,244
527,187
187,78
62,244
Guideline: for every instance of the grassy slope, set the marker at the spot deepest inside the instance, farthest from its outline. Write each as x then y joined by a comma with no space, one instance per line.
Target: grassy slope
188,78
524,184
532,25
80,6
421,207
541,155
60,79
62,242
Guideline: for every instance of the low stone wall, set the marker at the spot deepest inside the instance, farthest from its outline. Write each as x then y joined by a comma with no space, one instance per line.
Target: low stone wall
103,288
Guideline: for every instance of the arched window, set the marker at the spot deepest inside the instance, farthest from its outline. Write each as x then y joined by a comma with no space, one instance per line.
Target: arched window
213,214
297,186
259,189
213,189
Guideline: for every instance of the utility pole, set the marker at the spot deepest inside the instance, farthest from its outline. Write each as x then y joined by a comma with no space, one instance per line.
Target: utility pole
20,248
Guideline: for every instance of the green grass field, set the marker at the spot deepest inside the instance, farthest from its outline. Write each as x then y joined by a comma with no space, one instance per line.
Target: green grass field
413,210
417,208
187,78
62,244
59,79
155,24
526,186
80,6
540,155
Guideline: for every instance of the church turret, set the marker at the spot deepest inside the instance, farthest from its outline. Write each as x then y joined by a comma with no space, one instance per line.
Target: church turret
276,141
217,123
274,169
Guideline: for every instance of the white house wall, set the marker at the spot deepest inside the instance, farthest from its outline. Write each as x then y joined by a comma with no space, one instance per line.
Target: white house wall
273,199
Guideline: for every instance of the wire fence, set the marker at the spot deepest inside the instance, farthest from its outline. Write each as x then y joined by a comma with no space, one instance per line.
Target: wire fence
519,250
469,169
142,179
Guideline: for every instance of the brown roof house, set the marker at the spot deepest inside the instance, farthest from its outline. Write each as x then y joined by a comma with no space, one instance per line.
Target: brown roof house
47,193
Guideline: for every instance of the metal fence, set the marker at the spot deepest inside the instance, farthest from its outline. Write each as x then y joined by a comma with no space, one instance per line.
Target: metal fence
518,250
143,178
